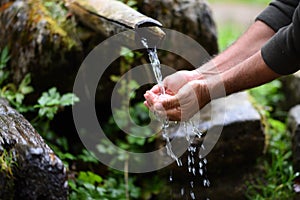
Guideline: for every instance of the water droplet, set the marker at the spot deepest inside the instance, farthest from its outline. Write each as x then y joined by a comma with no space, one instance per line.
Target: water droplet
194,171
201,172
192,195
189,160
200,164
192,184
204,161
182,191
206,183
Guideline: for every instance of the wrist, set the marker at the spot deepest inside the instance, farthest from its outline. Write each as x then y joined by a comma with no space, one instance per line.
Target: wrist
202,91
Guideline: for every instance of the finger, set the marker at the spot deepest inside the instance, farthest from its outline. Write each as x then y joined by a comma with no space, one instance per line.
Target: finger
172,115
151,98
155,89
146,104
167,103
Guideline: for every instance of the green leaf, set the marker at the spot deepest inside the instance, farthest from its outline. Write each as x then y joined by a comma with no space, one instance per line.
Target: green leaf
136,140
3,76
4,58
126,52
65,156
68,99
89,177
114,78
26,81
88,156
19,97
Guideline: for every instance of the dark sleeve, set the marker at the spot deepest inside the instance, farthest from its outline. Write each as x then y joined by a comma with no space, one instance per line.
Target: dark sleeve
282,52
278,14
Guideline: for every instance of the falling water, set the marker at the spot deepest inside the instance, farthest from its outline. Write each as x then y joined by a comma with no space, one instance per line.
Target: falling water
193,168
152,53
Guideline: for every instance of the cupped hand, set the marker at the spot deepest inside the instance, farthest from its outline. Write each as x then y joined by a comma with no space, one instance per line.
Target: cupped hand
189,99
174,82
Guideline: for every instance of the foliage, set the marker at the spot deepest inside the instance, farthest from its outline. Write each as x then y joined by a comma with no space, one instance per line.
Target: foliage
278,174
91,186
51,101
48,104
277,181
269,97
16,94
226,35
4,58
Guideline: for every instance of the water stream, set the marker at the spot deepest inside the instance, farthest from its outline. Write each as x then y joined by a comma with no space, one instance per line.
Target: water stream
196,169
155,63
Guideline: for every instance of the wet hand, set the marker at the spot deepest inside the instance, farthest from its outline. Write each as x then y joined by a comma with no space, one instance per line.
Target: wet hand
182,105
174,82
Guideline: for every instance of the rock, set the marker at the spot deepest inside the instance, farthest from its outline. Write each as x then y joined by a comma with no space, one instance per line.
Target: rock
31,169
234,156
191,17
294,128
291,89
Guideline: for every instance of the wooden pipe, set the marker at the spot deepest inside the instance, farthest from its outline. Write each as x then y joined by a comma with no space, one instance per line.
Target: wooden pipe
110,17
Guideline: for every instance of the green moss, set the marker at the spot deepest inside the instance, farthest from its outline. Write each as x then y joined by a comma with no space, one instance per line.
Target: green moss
50,15
6,163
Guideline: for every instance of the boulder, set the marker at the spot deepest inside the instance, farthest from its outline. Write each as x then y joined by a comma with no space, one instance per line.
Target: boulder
29,168
291,89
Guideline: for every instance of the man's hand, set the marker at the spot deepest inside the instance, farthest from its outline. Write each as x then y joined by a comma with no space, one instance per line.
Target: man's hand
174,82
182,105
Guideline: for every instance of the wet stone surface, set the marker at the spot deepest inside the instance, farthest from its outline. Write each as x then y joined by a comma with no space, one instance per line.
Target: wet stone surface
31,170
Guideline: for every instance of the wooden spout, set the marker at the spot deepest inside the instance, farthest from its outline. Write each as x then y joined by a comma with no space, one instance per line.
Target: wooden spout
110,17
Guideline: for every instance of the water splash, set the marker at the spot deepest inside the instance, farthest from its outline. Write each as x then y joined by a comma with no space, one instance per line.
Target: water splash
190,135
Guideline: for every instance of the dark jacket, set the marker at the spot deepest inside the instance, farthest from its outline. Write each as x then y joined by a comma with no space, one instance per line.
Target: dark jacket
282,52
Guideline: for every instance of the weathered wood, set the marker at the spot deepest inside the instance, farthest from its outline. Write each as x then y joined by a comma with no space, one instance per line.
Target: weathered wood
109,17
35,171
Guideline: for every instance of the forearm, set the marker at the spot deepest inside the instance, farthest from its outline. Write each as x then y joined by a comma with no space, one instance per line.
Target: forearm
249,43
248,74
